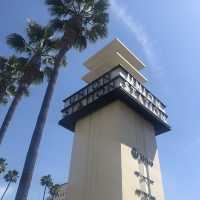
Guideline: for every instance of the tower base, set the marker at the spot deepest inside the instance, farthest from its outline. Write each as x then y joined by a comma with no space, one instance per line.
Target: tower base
115,157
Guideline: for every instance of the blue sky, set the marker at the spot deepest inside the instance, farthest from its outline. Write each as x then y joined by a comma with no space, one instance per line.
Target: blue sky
166,36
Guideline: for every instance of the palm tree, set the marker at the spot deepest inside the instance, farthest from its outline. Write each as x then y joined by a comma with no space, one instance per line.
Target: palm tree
10,177
80,22
54,191
3,165
11,71
4,78
47,182
38,47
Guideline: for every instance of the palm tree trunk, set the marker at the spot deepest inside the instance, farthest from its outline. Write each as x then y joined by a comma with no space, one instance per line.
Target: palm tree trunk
2,91
11,112
44,192
6,190
31,156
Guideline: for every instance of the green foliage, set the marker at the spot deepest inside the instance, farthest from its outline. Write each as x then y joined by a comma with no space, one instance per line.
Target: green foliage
87,19
39,78
3,60
11,70
17,42
39,41
46,181
54,191
35,31
3,165
57,7
39,45
3,101
11,176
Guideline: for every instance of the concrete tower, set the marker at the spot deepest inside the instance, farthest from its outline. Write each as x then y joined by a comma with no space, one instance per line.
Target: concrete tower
116,121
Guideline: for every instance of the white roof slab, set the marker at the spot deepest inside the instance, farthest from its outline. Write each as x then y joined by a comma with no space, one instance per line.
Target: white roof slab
115,59
113,54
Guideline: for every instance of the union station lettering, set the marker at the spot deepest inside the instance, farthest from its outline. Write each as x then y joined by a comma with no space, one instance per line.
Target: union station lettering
107,87
139,92
144,100
140,88
144,178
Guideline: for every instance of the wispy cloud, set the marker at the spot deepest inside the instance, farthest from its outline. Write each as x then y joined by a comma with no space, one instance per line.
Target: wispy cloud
138,30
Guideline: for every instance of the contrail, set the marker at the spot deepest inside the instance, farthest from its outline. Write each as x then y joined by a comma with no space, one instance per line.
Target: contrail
139,32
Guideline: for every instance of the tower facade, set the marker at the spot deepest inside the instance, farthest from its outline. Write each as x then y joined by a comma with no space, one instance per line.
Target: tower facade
116,121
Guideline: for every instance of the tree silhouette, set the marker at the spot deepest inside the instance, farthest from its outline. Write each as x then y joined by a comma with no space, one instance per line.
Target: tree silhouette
10,177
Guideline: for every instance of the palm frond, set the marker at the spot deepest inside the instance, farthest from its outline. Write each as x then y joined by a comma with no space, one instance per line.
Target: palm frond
57,24
80,43
17,42
12,59
101,6
11,90
35,31
54,2
101,18
85,19
20,65
22,60
54,44
3,61
56,7
3,100
97,31
48,31
39,78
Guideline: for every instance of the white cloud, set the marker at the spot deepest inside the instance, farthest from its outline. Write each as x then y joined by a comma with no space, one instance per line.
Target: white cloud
139,32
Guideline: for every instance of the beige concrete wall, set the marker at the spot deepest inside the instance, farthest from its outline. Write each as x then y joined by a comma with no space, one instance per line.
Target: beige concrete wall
102,166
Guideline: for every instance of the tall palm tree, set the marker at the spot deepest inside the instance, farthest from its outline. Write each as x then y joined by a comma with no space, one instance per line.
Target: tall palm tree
54,191
10,177
11,71
38,47
3,165
47,182
79,22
